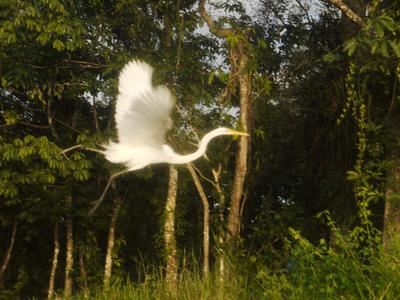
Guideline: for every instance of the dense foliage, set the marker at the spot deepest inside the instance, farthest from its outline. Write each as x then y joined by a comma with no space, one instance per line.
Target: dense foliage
320,213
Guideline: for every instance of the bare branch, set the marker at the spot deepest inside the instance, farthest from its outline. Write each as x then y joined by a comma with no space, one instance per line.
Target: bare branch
348,11
216,30
206,218
66,125
192,130
188,123
305,10
201,174
7,257
34,125
88,64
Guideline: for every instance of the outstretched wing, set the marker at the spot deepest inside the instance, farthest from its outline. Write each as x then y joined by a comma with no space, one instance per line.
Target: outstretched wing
142,111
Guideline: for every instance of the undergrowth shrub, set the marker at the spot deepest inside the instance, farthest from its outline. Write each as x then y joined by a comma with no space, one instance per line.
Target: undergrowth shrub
349,266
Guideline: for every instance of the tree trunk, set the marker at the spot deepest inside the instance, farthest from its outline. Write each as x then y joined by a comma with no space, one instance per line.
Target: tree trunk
95,119
7,257
242,153
169,233
241,74
83,274
206,219
50,118
110,243
391,229
54,263
69,262
220,236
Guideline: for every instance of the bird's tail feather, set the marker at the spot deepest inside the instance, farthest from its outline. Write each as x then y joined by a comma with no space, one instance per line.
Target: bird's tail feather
116,153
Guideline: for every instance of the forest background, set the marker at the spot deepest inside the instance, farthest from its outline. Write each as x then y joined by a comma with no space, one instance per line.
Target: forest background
306,208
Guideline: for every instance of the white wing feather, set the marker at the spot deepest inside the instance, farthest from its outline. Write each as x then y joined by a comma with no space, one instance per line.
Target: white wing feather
142,117
134,79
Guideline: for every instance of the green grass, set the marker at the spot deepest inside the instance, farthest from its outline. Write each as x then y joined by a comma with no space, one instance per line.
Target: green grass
354,266
191,286
330,276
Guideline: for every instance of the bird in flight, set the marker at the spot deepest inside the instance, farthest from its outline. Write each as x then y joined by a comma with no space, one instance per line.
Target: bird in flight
142,118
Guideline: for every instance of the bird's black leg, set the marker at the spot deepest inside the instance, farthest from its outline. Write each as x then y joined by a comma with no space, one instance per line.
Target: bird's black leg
98,202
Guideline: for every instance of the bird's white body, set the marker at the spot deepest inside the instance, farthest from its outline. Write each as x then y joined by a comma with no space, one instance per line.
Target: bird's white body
142,117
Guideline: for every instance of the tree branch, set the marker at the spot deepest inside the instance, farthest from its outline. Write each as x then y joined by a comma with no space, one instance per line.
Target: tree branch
201,174
347,10
7,257
215,29
206,218
66,125
305,11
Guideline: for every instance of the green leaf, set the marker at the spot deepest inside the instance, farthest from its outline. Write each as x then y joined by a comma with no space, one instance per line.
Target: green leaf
58,45
330,57
374,47
211,77
233,40
43,38
28,139
11,117
384,49
388,23
350,46
262,43
396,47
81,175
18,142
352,175
379,30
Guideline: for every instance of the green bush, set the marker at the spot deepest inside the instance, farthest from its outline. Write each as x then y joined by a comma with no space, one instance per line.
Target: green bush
350,266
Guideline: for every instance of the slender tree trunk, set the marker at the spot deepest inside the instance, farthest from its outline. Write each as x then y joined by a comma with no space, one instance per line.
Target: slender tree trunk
50,118
82,271
169,233
242,153
95,119
69,262
206,219
220,235
7,257
54,263
110,243
239,73
391,229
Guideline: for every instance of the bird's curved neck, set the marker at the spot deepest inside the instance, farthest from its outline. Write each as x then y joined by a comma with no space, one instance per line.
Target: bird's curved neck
183,159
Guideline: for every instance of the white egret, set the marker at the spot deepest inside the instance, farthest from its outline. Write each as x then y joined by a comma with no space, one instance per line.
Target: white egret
142,117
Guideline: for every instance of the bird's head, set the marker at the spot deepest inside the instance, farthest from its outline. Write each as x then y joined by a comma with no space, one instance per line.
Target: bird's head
228,131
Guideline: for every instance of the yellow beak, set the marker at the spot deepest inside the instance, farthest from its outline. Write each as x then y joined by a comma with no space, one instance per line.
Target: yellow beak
234,132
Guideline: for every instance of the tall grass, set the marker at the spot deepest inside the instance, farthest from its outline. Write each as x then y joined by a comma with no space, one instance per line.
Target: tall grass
191,286
351,266
314,273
